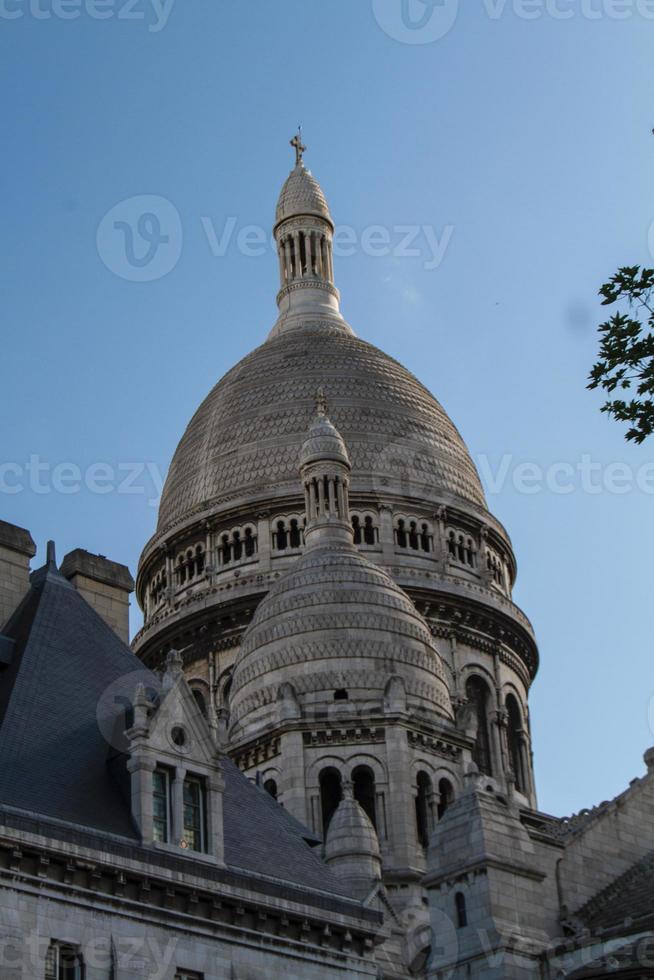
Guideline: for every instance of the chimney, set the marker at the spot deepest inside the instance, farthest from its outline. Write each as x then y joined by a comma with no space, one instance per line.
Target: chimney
104,584
16,550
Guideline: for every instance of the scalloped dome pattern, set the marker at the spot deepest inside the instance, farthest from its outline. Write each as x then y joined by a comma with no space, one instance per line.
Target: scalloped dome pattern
244,441
336,610
301,194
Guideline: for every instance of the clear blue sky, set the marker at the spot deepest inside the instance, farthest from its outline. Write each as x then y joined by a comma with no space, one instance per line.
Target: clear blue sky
527,138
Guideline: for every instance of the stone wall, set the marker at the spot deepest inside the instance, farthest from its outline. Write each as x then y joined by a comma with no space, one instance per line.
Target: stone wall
16,550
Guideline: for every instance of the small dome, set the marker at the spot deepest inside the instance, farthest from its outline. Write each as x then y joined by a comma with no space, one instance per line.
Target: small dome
302,194
335,621
324,442
350,832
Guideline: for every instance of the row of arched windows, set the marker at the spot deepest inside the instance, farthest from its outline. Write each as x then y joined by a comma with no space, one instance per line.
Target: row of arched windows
189,565
364,792
495,567
461,549
158,588
236,545
288,534
365,530
414,535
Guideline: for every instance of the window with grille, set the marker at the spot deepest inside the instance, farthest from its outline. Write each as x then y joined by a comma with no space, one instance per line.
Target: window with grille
194,814
161,805
63,962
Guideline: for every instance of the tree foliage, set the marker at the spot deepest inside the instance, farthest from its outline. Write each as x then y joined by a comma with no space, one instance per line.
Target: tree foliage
625,370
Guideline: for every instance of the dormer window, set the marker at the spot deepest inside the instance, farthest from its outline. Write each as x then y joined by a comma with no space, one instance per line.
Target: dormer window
161,805
63,962
195,814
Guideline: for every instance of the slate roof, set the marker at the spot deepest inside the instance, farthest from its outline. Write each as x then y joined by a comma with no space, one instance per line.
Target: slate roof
56,763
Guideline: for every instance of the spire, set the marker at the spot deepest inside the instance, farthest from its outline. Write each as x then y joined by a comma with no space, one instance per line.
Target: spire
304,232
325,471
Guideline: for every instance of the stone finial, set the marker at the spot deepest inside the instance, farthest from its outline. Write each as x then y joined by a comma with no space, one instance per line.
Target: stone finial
51,555
649,760
174,669
299,147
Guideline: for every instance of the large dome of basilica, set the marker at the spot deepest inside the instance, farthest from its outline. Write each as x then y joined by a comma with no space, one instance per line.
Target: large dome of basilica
232,518
243,440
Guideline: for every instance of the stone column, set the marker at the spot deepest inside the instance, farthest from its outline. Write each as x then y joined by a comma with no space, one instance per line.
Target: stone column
215,834
292,781
298,255
141,767
288,263
264,540
308,252
177,805
386,534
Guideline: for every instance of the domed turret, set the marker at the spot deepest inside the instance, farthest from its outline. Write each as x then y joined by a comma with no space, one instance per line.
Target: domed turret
352,845
304,232
335,620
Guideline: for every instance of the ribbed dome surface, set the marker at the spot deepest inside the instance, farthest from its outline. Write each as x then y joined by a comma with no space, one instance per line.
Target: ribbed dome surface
336,620
244,441
301,194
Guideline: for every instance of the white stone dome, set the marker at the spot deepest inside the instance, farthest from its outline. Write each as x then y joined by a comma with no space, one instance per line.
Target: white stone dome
301,195
334,622
243,443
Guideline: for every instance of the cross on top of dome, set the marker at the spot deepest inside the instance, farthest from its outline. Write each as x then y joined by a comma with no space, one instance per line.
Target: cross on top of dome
299,147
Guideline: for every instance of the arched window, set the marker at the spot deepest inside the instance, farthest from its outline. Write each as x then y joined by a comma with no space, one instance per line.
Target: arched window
461,910
423,801
295,535
190,563
477,694
401,534
369,531
237,546
514,735
451,544
363,787
199,560
356,524
281,536
413,536
330,795
250,542
270,787
225,550
63,962
200,700
425,538
446,796
227,690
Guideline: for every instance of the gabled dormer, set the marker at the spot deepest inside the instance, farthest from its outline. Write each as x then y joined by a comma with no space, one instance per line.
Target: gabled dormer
174,759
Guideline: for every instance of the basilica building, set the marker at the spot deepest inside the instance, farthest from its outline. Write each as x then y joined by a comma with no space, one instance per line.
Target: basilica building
315,759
